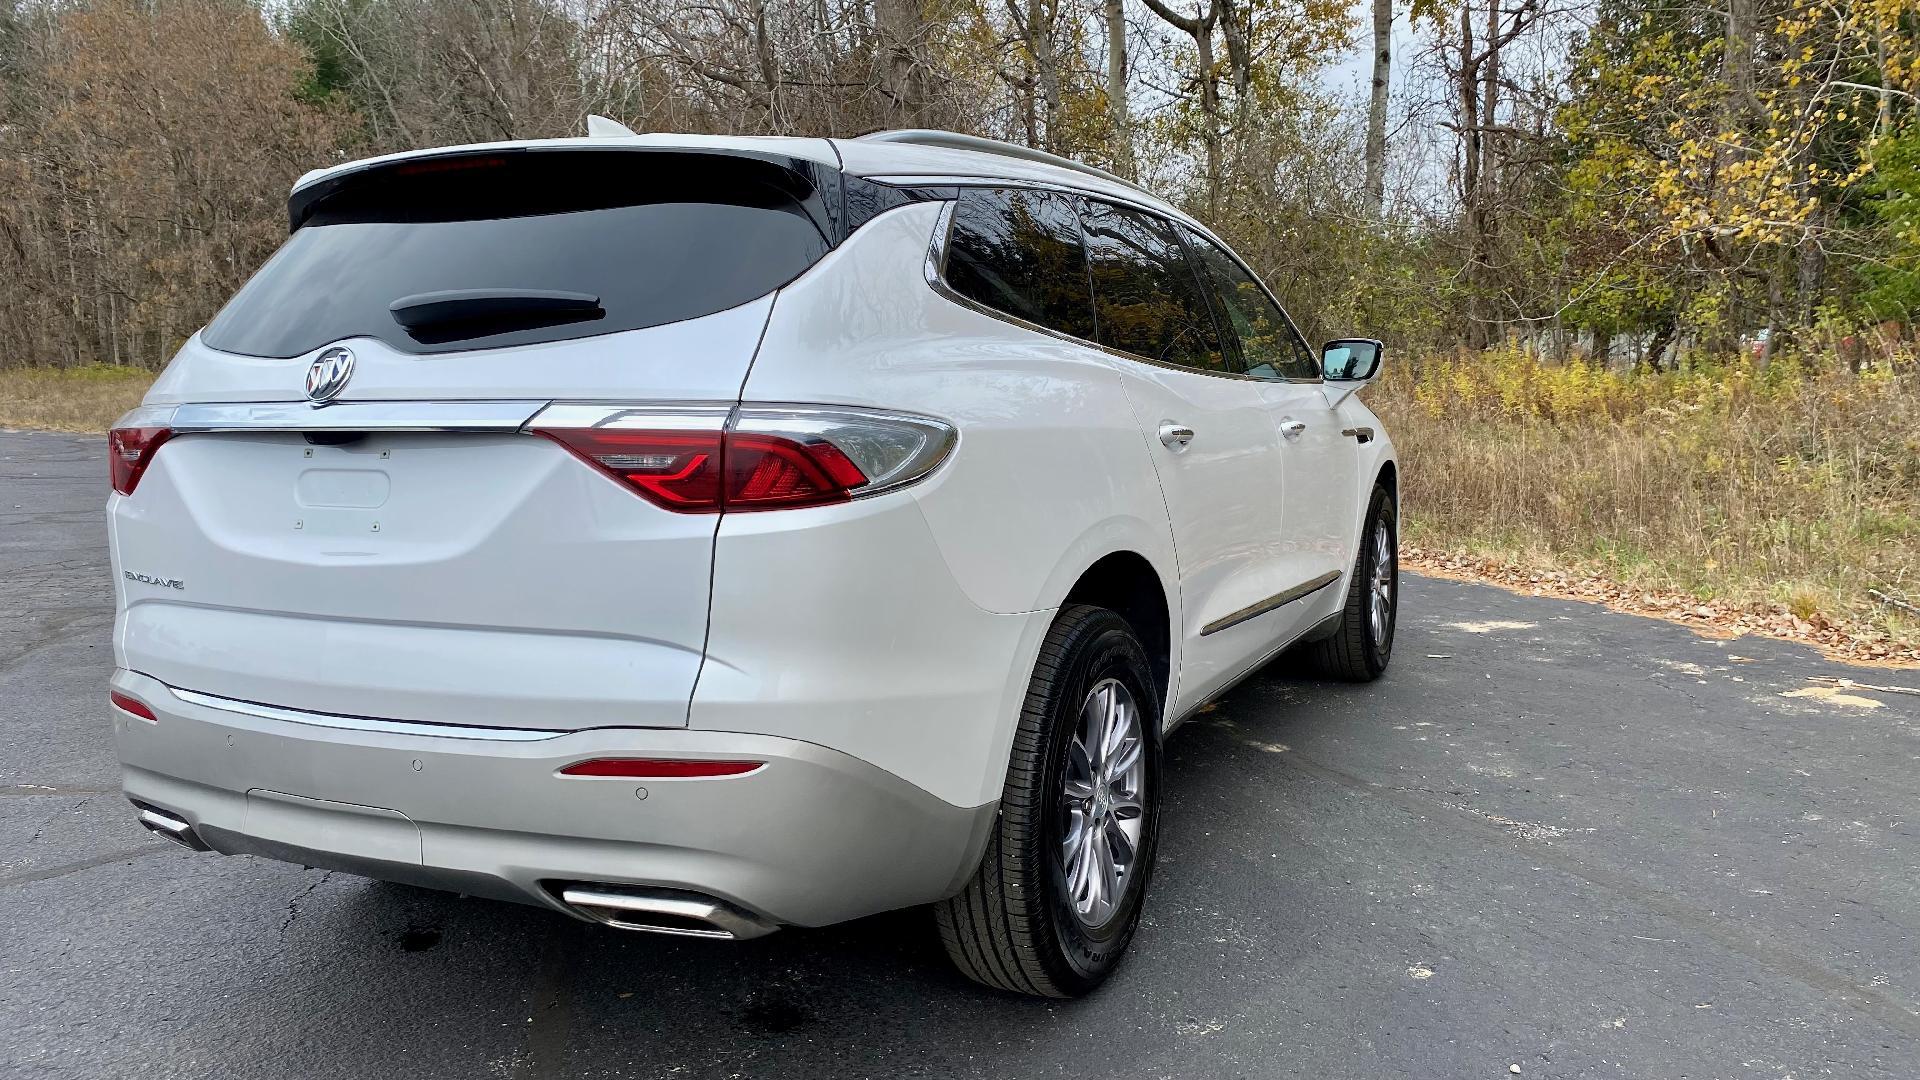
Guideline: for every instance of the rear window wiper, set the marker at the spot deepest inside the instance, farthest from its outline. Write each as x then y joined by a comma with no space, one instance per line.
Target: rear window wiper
454,314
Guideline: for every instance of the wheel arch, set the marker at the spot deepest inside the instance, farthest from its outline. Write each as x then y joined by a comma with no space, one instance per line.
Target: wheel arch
1126,583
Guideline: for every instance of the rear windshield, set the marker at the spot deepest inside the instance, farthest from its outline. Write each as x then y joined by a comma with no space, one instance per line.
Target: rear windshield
648,238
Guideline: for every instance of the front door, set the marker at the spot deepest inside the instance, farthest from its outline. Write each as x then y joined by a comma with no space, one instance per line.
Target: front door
1318,462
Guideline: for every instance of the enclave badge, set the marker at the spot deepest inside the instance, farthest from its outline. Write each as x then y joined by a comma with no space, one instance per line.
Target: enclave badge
328,374
163,582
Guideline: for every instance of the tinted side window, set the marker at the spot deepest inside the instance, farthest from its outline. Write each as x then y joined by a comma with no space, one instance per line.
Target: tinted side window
1269,346
1145,292
1018,251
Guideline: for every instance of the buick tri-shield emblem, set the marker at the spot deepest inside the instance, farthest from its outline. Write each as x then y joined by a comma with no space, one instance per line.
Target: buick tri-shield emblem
328,374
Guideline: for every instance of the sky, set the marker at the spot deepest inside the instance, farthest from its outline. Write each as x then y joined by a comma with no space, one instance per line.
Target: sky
1351,75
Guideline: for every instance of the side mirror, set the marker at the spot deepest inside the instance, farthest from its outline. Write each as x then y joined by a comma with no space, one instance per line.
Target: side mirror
1350,359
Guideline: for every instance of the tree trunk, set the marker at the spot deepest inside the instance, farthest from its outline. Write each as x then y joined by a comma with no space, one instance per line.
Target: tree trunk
1200,28
1119,110
1468,95
1046,66
1737,63
900,24
1377,106
1487,220
769,69
1210,116
1662,337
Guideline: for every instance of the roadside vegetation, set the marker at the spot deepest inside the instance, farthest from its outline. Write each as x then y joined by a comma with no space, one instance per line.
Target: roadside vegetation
86,399
1648,272
1779,499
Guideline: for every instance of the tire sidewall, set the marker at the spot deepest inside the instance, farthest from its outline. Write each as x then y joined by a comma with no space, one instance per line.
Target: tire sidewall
1109,651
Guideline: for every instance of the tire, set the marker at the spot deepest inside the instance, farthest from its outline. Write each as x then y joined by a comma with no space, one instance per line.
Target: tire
1018,925
1359,651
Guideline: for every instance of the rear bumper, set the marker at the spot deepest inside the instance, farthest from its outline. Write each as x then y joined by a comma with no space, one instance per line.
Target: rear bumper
814,837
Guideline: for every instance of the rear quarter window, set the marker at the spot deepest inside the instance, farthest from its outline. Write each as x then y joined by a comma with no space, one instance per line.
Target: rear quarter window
1018,251
654,237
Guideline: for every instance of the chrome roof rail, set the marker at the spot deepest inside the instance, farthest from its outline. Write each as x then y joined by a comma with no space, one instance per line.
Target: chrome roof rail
953,140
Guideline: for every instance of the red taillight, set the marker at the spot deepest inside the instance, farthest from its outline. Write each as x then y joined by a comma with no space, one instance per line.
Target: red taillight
659,768
769,471
707,471
701,458
129,452
126,704
679,470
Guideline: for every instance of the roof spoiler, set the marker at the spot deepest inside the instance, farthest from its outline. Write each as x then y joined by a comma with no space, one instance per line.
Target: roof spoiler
599,127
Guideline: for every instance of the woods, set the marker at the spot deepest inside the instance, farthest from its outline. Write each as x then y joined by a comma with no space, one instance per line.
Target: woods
1652,270
1627,182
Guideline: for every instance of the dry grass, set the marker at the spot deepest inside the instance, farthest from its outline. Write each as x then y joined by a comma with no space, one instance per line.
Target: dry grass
87,399
1780,493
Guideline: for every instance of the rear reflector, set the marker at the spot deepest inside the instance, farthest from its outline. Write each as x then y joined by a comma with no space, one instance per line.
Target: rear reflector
659,768
126,704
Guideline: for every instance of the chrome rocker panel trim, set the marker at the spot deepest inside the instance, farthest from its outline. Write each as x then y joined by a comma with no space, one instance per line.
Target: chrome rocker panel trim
1278,600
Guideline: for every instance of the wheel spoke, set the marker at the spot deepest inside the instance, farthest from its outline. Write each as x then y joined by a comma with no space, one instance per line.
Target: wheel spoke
1092,734
1078,868
1080,775
1109,874
1076,830
1124,759
1115,730
1119,845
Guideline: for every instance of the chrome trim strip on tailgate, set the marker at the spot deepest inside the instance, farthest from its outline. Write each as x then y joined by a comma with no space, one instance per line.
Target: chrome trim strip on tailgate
361,723
356,416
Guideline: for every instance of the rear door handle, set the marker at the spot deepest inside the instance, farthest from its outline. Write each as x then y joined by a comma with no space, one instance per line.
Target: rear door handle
1175,435
1291,429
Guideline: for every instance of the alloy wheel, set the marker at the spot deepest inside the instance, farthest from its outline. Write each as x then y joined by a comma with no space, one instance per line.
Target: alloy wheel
1102,802
1380,608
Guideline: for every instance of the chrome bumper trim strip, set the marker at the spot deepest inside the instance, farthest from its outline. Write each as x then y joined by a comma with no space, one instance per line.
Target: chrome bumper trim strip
362,723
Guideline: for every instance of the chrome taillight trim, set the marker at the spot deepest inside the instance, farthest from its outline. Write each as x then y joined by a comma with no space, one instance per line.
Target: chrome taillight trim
642,415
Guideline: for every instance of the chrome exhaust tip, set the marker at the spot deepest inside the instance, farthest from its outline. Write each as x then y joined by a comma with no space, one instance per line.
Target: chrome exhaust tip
170,827
664,911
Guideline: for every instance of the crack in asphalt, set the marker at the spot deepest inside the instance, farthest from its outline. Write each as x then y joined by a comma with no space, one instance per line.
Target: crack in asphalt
293,905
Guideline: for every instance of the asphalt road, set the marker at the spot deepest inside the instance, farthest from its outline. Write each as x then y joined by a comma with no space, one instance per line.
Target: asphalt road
1582,843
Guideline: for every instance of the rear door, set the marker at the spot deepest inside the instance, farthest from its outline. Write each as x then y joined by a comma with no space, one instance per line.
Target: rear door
1319,463
408,550
1213,444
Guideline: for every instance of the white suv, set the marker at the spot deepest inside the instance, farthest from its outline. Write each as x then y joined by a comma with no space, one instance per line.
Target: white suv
702,535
